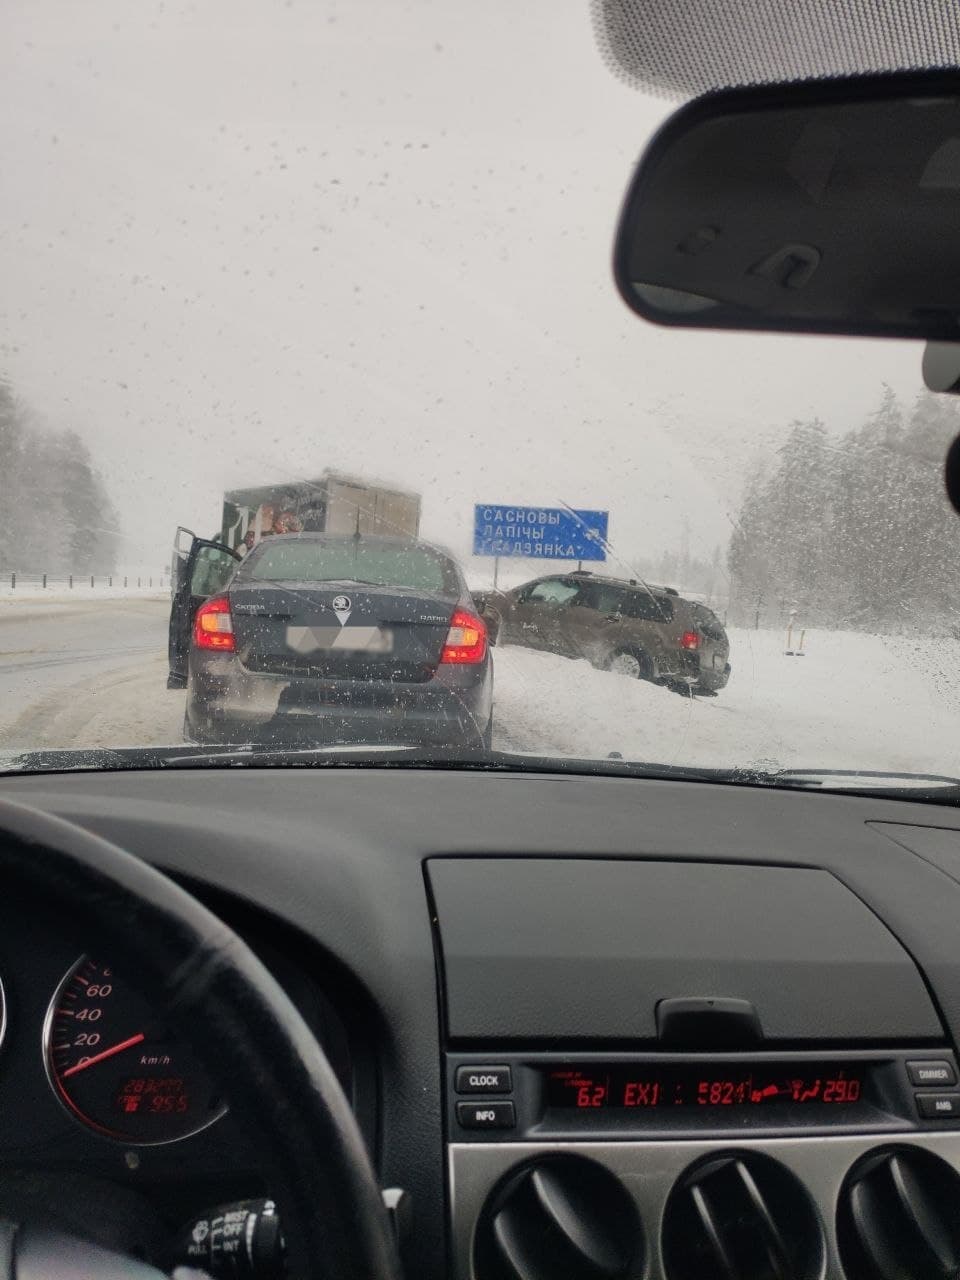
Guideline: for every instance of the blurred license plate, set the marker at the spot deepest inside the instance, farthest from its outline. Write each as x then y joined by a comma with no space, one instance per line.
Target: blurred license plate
369,639
308,640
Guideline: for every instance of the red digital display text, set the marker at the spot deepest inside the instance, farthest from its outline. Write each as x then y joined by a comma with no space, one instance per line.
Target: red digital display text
639,1087
152,1095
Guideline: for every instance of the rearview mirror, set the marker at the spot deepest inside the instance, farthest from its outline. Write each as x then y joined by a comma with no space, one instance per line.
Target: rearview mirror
821,207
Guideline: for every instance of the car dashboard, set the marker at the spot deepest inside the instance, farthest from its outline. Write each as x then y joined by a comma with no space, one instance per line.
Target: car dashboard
588,1025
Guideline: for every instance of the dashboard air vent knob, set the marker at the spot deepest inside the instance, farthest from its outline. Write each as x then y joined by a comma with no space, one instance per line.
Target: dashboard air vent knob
899,1217
741,1217
559,1218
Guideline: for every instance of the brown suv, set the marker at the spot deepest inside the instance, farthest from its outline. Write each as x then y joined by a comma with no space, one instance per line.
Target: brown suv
652,633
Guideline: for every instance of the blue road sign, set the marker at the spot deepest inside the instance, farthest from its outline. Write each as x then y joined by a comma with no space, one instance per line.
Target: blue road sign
539,533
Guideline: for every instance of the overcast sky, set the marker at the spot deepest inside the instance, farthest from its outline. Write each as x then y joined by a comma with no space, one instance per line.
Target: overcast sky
244,240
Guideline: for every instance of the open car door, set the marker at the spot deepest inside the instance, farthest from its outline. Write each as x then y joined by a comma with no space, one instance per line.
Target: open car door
200,569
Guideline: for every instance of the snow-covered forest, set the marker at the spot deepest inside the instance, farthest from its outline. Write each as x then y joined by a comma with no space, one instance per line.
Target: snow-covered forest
853,532
57,516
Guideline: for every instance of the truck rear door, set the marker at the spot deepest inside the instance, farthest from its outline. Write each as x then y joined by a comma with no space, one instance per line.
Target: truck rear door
359,509
398,513
351,508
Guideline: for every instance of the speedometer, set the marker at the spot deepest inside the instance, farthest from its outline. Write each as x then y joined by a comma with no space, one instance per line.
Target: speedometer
117,1067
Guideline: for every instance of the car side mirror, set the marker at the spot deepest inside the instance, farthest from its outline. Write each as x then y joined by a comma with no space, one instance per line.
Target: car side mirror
480,602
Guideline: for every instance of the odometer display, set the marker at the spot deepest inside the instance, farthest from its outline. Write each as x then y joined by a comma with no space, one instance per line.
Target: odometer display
117,1067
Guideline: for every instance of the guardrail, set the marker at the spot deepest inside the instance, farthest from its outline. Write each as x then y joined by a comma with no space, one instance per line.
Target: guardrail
14,581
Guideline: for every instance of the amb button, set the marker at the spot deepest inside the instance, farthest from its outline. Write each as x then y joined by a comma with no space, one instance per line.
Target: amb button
483,1080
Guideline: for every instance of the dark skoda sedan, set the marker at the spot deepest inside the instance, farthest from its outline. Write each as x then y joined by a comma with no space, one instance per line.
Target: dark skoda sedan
321,638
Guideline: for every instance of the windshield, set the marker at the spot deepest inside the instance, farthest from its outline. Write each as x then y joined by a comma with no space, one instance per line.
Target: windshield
284,282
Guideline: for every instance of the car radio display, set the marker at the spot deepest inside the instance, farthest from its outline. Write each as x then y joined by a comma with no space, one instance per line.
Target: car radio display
648,1086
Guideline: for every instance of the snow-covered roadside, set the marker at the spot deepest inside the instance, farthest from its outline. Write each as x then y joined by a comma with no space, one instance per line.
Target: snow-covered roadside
79,595
853,701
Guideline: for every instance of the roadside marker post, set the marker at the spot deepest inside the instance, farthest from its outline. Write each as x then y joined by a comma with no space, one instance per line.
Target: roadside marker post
789,651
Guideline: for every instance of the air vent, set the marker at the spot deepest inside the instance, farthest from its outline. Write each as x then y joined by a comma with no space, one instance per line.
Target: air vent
559,1218
741,1217
899,1217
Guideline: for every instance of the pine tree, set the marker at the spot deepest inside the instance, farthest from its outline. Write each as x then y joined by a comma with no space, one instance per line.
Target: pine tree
856,534
58,517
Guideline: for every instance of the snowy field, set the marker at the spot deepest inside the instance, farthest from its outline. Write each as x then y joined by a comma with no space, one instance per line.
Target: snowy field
853,701
91,674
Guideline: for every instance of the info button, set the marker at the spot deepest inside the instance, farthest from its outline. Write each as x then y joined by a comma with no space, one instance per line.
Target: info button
930,1072
485,1115
483,1080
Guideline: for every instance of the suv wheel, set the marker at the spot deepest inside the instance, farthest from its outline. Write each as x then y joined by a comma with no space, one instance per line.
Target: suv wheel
630,664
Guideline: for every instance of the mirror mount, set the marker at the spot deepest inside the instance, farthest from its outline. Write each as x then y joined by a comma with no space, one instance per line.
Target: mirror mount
941,373
951,474
941,367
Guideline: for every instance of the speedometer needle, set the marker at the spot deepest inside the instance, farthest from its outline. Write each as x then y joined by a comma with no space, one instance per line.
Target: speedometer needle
107,1053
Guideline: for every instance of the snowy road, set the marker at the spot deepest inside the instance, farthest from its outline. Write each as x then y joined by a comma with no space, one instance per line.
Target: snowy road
85,673
93,674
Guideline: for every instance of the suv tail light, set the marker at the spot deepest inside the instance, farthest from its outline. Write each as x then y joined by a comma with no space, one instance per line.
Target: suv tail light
690,640
213,626
466,640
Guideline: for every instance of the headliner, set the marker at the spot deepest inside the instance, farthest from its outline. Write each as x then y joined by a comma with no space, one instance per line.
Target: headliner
682,48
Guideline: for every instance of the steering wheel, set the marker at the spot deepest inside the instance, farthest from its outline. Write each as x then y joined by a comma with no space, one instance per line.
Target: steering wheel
232,1011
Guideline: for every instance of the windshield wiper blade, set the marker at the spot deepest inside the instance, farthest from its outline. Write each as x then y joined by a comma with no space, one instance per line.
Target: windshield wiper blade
865,781
255,754
64,760
344,754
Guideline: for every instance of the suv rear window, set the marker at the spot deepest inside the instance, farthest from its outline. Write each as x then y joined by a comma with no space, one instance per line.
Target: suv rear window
283,560
708,622
647,606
